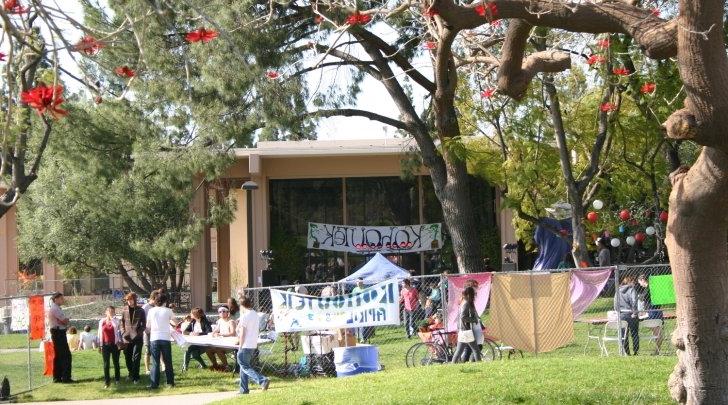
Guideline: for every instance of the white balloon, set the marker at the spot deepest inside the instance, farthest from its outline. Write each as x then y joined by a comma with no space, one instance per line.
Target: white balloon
598,204
631,240
615,242
650,230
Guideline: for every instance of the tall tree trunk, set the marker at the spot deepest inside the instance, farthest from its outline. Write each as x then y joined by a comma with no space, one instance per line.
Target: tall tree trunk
579,247
696,240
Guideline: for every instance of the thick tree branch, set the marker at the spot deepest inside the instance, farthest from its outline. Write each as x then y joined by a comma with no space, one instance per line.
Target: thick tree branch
656,37
515,73
351,112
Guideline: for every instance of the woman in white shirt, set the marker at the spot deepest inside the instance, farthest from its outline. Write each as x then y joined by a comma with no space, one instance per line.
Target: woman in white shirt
225,327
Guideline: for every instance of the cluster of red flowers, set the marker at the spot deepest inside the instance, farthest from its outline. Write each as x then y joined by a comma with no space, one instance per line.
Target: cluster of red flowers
608,107
201,35
358,18
2,57
44,99
272,75
622,71
125,71
655,12
88,45
14,7
594,59
488,10
429,45
648,88
431,12
487,93
603,43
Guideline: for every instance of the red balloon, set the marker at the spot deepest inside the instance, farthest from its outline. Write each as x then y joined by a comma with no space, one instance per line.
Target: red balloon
624,215
663,216
592,217
640,237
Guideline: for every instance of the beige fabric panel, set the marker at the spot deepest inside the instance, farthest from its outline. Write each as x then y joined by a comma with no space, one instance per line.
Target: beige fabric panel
532,312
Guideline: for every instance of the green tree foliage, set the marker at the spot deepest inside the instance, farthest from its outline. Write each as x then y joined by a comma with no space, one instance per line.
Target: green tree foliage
115,198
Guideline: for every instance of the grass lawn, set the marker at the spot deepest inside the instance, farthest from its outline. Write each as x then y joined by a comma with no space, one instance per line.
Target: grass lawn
579,380
15,341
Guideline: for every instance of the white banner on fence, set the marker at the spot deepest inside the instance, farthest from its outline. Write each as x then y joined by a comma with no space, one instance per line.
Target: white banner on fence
382,239
20,315
375,306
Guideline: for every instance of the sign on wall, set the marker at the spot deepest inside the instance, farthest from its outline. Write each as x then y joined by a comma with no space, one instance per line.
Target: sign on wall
375,306
382,239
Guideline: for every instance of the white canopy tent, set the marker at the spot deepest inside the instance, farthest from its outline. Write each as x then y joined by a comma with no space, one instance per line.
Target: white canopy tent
376,270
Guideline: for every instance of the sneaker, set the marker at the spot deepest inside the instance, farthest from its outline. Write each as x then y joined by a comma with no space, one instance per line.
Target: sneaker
244,392
135,382
265,385
151,387
106,386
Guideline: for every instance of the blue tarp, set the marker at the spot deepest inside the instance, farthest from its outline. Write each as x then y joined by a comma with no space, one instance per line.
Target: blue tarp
376,270
552,248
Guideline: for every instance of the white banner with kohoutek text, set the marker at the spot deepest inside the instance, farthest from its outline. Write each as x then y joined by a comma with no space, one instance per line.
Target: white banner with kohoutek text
371,239
377,305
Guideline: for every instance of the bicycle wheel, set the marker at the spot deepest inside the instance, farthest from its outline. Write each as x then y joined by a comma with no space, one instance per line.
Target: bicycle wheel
408,359
427,354
489,352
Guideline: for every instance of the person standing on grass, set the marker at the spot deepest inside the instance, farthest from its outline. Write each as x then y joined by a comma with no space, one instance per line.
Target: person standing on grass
248,340
625,303
158,323
468,320
410,297
133,327
58,322
146,307
110,338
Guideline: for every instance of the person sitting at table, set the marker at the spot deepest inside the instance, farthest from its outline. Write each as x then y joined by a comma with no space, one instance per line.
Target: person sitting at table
225,327
625,303
644,303
199,326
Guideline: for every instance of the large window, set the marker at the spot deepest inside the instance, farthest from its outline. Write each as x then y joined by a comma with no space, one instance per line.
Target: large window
382,201
293,204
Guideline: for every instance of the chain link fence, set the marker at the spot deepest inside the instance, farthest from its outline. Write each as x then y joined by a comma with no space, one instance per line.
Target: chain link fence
527,314
21,360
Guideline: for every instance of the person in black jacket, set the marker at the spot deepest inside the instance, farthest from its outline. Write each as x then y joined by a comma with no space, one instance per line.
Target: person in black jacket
199,326
132,327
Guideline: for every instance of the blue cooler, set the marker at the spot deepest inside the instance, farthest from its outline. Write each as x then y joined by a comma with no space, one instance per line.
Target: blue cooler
356,360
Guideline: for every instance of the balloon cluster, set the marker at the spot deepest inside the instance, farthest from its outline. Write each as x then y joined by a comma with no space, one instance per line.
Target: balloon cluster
625,215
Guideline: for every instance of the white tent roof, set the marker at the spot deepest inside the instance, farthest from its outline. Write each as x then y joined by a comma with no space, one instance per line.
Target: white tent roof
376,270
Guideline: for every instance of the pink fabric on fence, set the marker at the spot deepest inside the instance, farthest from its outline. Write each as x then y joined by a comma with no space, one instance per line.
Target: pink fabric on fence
456,285
585,286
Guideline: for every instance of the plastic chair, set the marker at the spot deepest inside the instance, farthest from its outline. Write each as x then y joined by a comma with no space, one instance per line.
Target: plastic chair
653,325
612,334
593,333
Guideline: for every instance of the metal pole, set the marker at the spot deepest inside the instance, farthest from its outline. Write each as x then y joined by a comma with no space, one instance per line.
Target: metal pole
443,299
251,272
30,382
534,315
617,308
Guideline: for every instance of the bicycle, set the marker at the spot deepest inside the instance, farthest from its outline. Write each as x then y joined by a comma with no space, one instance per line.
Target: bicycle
439,350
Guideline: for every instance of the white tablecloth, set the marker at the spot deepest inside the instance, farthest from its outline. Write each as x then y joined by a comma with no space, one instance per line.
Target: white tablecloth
208,340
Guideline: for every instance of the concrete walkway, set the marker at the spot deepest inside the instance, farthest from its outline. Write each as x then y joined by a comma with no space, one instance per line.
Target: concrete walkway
188,399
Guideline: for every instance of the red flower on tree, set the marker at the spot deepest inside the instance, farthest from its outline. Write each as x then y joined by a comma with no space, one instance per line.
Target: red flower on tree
648,88
2,57
358,18
487,93
272,75
318,19
431,12
429,45
201,35
495,23
603,43
488,10
44,99
621,71
125,71
593,59
608,107
88,45
14,7
655,12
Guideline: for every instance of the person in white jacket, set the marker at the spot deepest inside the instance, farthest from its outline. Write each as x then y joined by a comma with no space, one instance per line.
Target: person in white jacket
109,339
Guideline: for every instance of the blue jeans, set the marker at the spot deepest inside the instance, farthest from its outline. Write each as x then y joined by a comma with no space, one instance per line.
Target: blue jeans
245,356
161,348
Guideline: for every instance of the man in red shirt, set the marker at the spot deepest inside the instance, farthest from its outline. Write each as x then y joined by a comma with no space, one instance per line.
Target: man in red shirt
410,297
